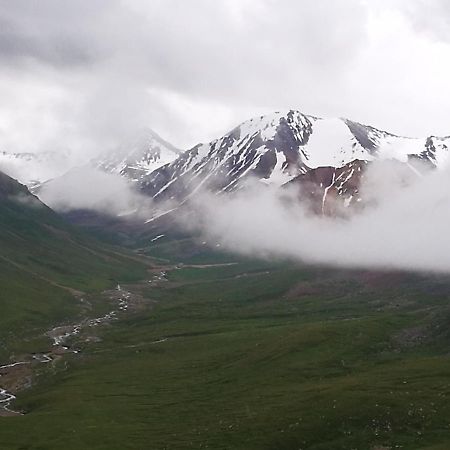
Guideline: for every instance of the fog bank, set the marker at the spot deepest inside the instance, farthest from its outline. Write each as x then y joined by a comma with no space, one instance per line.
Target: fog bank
406,225
88,188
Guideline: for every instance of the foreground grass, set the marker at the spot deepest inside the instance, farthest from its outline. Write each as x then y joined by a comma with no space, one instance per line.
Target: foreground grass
255,356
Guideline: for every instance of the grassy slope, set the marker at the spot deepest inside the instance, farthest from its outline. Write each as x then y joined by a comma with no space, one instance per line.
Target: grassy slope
294,358
40,257
259,355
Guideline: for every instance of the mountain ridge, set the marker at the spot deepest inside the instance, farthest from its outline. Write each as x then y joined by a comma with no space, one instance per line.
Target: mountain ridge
136,156
325,157
279,148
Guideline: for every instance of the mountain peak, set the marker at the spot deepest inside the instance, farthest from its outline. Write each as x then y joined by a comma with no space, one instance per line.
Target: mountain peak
146,139
138,155
279,147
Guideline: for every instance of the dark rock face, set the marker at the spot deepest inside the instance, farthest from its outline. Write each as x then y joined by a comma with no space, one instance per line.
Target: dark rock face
226,164
361,135
330,190
10,187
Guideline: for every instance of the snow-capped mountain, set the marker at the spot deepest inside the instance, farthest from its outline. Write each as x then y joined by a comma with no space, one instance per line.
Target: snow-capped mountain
281,148
110,182
137,157
325,158
133,159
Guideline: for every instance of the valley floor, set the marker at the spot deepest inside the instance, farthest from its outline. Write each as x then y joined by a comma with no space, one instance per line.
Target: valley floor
243,355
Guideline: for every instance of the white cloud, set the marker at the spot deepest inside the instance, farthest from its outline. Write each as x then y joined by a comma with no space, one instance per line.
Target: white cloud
85,73
407,229
92,189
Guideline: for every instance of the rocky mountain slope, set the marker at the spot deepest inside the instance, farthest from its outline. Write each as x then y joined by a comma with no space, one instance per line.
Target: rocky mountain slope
323,156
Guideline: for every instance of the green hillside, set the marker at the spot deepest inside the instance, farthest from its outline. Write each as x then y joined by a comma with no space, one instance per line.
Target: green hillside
254,355
44,260
215,351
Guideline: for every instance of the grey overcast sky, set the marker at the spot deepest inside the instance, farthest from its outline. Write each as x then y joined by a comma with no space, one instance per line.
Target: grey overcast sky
82,74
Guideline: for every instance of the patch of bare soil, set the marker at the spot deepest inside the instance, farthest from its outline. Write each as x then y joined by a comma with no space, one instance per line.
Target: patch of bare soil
302,289
410,337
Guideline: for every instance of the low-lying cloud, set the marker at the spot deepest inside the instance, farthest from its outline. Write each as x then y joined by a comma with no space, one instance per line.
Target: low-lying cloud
405,228
403,225
92,189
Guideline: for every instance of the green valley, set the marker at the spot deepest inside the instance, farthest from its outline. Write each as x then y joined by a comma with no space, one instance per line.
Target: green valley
244,354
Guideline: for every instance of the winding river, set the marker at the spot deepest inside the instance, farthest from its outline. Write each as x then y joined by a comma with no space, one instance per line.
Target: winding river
59,336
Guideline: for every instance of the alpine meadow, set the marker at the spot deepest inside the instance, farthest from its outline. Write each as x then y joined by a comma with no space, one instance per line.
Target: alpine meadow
224,225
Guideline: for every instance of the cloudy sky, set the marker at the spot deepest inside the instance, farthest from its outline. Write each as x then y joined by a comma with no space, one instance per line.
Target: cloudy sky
81,74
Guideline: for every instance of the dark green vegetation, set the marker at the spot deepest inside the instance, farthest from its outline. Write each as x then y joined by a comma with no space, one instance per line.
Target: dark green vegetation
43,262
224,354
256,356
